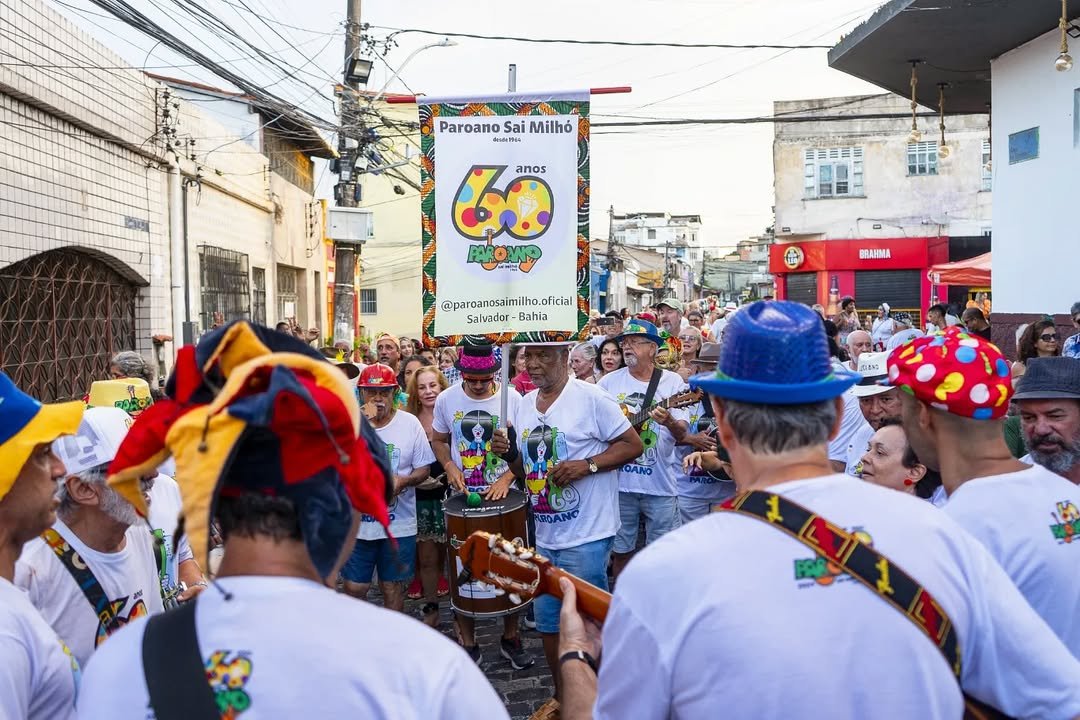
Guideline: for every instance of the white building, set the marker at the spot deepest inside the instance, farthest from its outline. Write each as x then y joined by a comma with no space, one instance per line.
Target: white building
1001,56
862,209
681,234
93,219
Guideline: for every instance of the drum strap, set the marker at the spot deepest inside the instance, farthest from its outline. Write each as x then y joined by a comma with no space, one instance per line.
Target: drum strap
84,578
174,670
866,565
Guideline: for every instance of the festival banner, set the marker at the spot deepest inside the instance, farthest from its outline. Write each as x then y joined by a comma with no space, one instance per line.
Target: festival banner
504,199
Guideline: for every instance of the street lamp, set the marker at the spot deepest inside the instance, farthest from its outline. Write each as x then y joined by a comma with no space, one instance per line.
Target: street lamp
445,42
358,70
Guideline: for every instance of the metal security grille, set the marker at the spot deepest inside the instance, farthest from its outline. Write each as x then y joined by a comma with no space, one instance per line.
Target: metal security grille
258,295
63,314
287,296
899,288
223,277
802,287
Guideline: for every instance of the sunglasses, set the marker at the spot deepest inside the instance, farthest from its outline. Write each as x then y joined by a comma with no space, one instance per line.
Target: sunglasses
1077,319
1049,337
689,338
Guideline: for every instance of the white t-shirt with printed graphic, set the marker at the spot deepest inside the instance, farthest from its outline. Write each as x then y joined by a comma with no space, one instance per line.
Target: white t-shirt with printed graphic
470,424
128,577
409,449
857,447
718,603
38,676
285,647
580,424
698,483
1030,522
165,509
654,472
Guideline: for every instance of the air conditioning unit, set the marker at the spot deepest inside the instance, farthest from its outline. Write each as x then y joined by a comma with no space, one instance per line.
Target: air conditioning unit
350,225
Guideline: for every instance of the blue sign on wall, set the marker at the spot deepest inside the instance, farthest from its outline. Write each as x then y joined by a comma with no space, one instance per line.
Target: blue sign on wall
1023,145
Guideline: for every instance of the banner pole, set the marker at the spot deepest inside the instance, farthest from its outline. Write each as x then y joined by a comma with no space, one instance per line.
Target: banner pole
411,99
504,397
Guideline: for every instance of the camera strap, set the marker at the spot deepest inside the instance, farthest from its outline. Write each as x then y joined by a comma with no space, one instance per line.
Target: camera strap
174,669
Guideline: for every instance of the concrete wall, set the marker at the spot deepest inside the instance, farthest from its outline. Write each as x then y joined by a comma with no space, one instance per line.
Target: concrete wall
74,151
949,203
82,164
1035,232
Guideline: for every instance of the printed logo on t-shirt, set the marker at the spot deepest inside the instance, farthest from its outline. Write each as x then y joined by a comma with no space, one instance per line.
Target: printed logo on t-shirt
118,619
544,447
472,434
642,465
1067,522
705,424
820,571
394,453
228,674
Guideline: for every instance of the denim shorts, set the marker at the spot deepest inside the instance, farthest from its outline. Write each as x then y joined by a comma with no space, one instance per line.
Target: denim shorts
589,562
691,509
661,516
394,565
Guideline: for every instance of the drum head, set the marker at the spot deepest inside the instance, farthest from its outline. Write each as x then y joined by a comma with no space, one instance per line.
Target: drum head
457,505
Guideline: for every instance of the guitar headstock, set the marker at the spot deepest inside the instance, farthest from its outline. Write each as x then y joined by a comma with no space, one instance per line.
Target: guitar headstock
683,399
509,566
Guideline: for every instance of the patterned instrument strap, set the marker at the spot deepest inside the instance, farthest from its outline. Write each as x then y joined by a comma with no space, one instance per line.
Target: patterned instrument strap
83,577
862,562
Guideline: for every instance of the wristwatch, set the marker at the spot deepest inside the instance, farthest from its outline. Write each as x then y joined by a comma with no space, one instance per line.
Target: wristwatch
593,467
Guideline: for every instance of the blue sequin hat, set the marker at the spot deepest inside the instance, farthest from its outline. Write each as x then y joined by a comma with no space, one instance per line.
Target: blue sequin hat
641,328
775,353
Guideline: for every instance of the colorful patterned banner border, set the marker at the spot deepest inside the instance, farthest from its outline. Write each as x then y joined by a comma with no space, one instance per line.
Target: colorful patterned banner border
427,210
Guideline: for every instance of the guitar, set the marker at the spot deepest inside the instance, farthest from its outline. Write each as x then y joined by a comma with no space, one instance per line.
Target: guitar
524,574
681,400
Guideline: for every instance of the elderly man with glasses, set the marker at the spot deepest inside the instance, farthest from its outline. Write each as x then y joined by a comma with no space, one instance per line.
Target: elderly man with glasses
94,570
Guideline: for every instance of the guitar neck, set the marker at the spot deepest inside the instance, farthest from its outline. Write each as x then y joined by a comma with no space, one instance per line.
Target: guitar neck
591,600
641,416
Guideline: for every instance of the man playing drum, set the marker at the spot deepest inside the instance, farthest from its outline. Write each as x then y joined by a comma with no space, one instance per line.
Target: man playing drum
466,418
572,438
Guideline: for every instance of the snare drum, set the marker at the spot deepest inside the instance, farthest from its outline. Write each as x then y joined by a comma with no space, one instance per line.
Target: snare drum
506,517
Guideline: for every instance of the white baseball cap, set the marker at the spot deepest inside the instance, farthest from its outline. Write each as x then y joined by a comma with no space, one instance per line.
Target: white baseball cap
96,442
873,368
731,305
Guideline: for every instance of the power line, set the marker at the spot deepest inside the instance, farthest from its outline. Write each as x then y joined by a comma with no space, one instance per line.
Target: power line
773,119
624,43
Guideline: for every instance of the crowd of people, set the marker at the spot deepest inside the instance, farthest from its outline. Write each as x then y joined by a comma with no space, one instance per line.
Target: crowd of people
654,455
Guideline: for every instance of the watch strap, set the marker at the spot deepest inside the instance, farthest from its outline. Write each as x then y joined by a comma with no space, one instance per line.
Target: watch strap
578,655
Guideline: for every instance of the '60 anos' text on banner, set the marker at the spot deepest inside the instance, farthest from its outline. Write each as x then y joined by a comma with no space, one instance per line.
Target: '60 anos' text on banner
505,204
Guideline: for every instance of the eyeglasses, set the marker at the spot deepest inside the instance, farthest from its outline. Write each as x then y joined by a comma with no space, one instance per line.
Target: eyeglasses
1049,337
689,338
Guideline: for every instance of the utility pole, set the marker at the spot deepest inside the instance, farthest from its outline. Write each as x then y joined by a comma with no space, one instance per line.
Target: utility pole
345,310
667,270
511,81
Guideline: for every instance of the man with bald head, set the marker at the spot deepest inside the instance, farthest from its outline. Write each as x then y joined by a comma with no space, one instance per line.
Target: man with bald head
858,342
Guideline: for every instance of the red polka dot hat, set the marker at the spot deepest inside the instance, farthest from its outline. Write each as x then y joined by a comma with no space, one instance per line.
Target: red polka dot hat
954,371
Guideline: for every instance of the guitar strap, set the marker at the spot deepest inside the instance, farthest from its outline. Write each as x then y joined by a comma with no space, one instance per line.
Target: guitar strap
650,391
83,577
866,565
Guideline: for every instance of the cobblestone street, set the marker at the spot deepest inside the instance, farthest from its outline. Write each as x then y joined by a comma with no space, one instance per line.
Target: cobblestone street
523,691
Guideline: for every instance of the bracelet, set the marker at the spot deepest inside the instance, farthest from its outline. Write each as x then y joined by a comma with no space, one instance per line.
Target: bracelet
578,655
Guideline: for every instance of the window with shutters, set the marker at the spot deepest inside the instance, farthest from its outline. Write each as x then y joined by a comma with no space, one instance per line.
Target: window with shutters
833,172
922,158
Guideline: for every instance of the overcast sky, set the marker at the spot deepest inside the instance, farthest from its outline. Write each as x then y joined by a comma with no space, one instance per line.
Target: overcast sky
724,173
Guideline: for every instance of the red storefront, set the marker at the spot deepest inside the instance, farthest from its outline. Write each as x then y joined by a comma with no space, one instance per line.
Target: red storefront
890,270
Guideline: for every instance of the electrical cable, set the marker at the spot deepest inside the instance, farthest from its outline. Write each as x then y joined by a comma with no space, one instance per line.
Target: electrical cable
623,43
